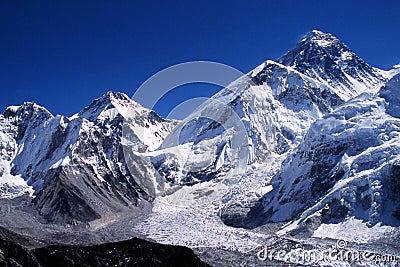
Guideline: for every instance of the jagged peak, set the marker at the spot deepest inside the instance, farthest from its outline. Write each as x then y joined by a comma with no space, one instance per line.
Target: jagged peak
111,100
106,101
325,58
110,96
320,38
116,95
317,43
26,108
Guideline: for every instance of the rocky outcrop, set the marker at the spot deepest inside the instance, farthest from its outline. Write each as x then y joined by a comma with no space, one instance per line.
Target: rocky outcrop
133,252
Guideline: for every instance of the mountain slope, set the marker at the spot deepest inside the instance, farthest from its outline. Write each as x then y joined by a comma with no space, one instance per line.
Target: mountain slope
76,165
331,68
270,110
346,167
263,114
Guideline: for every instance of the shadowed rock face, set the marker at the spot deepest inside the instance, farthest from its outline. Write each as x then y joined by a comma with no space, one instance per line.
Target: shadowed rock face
134,252
323,57
62,201
12,254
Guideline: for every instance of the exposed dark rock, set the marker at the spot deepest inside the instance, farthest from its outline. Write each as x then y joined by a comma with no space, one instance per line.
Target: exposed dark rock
62,201
13,255
324,57
133,252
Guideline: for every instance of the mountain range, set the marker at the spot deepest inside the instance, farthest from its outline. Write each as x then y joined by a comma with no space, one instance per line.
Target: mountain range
306,146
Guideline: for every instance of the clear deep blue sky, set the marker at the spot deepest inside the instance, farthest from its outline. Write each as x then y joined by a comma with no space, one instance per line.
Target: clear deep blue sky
63,55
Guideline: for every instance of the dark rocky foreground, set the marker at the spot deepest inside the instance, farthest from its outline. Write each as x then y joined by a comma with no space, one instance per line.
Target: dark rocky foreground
133,252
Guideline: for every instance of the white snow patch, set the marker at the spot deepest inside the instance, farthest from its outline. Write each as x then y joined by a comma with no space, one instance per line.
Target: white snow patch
73,117
108,114
264,190
323,43
13,108
13,186
62,162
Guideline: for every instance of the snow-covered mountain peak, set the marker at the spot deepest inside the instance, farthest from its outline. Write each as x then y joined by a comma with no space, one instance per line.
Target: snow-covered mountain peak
286,85
325,42
320,38
27,109
45,153
110,104
325,58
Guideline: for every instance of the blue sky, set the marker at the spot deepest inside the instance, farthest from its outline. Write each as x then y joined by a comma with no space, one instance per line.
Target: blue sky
63,54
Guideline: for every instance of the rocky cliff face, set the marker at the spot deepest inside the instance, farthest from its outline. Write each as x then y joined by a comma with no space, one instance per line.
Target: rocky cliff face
325,58
134,252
